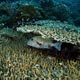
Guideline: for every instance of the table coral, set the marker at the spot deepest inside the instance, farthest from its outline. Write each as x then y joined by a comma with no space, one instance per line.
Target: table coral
52,32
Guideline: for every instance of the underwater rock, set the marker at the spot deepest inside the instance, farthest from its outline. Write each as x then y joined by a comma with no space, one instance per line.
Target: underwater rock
44,43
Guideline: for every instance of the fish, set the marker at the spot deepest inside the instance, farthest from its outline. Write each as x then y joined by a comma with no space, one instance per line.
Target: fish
44,43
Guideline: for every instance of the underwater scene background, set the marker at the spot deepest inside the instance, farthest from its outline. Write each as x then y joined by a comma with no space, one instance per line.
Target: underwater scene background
39,39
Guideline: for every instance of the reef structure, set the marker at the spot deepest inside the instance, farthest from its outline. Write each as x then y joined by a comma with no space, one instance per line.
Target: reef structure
54,33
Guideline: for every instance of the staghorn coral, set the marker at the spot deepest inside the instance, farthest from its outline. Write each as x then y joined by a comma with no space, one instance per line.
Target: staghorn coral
19,62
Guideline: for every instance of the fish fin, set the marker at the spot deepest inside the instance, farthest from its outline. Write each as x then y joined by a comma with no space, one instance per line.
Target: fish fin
57,45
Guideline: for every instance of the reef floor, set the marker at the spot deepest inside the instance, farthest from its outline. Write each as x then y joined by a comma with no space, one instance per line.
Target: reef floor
19,62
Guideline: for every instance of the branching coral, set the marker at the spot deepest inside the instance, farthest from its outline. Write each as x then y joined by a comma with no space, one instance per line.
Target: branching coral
19,62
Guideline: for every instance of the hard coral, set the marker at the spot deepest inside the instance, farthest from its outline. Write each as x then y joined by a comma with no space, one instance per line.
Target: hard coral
18,62
7,12
54,9
53,32
29,11
22,14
